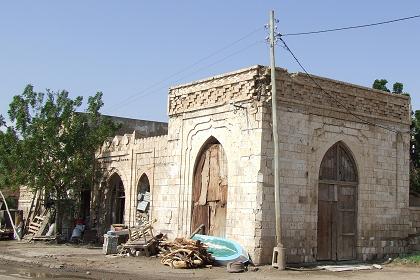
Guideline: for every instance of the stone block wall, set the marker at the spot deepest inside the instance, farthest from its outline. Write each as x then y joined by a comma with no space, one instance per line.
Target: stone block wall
223,108
415,220
414,240
235,109
131,157
309,124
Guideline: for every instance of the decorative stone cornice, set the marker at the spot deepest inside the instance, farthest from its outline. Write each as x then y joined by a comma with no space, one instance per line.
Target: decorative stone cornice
245,84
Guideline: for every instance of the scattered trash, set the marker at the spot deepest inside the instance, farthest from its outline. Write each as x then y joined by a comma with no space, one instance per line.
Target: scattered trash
340,268
76,235
110,244
236,267
51,230
377,266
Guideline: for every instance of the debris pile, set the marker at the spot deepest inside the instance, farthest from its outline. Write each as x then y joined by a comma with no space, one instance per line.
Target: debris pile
40,227
184,253
141,240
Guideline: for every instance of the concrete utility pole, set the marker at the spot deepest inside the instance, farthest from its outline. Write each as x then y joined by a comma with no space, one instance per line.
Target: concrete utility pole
279,260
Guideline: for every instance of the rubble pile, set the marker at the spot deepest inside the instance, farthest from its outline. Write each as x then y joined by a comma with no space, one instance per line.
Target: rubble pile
184,253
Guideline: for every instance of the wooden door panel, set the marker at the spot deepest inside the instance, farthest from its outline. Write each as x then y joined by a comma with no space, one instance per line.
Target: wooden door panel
346,167
346,230
337,222
200,215
328,169
346,248
210,191
324,231
348,218
213,193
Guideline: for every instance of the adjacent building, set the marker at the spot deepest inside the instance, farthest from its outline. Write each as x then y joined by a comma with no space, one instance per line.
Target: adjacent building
344,168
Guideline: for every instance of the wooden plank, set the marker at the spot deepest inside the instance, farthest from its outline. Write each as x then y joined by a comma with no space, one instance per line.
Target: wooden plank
335,221
201,216
324,231
346,230
205,178
214,173
197,217
33,227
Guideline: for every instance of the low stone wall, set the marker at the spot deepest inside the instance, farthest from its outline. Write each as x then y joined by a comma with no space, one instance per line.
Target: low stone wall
415,219
414,240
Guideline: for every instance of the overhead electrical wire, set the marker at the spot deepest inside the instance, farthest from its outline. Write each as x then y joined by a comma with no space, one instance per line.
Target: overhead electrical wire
159,85
146,91
331,96
350,27
150,91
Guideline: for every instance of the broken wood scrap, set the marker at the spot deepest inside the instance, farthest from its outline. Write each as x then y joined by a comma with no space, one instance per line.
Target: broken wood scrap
184,253
39,224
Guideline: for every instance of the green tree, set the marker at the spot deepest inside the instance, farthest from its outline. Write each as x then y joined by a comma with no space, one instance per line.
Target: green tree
380,84
397,87
50,146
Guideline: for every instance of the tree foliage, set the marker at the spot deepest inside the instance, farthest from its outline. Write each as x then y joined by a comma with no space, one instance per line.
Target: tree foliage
397,87
380,84
50,146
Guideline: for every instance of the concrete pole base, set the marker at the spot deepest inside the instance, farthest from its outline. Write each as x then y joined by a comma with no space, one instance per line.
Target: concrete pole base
279,258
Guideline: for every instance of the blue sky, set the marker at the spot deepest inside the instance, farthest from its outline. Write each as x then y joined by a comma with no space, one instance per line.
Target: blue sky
126,48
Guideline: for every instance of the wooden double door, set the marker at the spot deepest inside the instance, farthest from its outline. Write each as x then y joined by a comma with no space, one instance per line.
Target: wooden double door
210,191
337,205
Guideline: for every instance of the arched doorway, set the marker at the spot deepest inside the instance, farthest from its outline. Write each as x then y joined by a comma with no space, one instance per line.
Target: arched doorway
143,200
337,205
116,199
210,187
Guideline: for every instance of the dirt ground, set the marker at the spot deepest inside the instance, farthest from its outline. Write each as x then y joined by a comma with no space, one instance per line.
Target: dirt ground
19,260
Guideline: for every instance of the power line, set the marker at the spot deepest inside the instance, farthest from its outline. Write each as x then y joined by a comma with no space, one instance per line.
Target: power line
135,96
350,27
148,92
331,96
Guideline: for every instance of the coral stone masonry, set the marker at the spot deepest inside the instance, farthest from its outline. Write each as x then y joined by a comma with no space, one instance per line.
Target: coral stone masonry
344,177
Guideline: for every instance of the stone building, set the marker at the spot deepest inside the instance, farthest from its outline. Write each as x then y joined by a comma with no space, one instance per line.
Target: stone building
344,173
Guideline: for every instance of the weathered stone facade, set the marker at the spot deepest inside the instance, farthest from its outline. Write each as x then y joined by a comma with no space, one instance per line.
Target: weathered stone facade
234,109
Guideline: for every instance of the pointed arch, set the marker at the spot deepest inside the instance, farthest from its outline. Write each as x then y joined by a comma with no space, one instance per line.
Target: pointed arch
143,199
116,199
337,204
210,186
338,164
211,140
143,184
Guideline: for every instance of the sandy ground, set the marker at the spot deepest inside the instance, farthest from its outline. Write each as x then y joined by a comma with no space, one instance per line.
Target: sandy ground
19,260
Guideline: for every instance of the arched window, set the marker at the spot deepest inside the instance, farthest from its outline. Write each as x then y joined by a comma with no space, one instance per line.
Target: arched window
143,200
